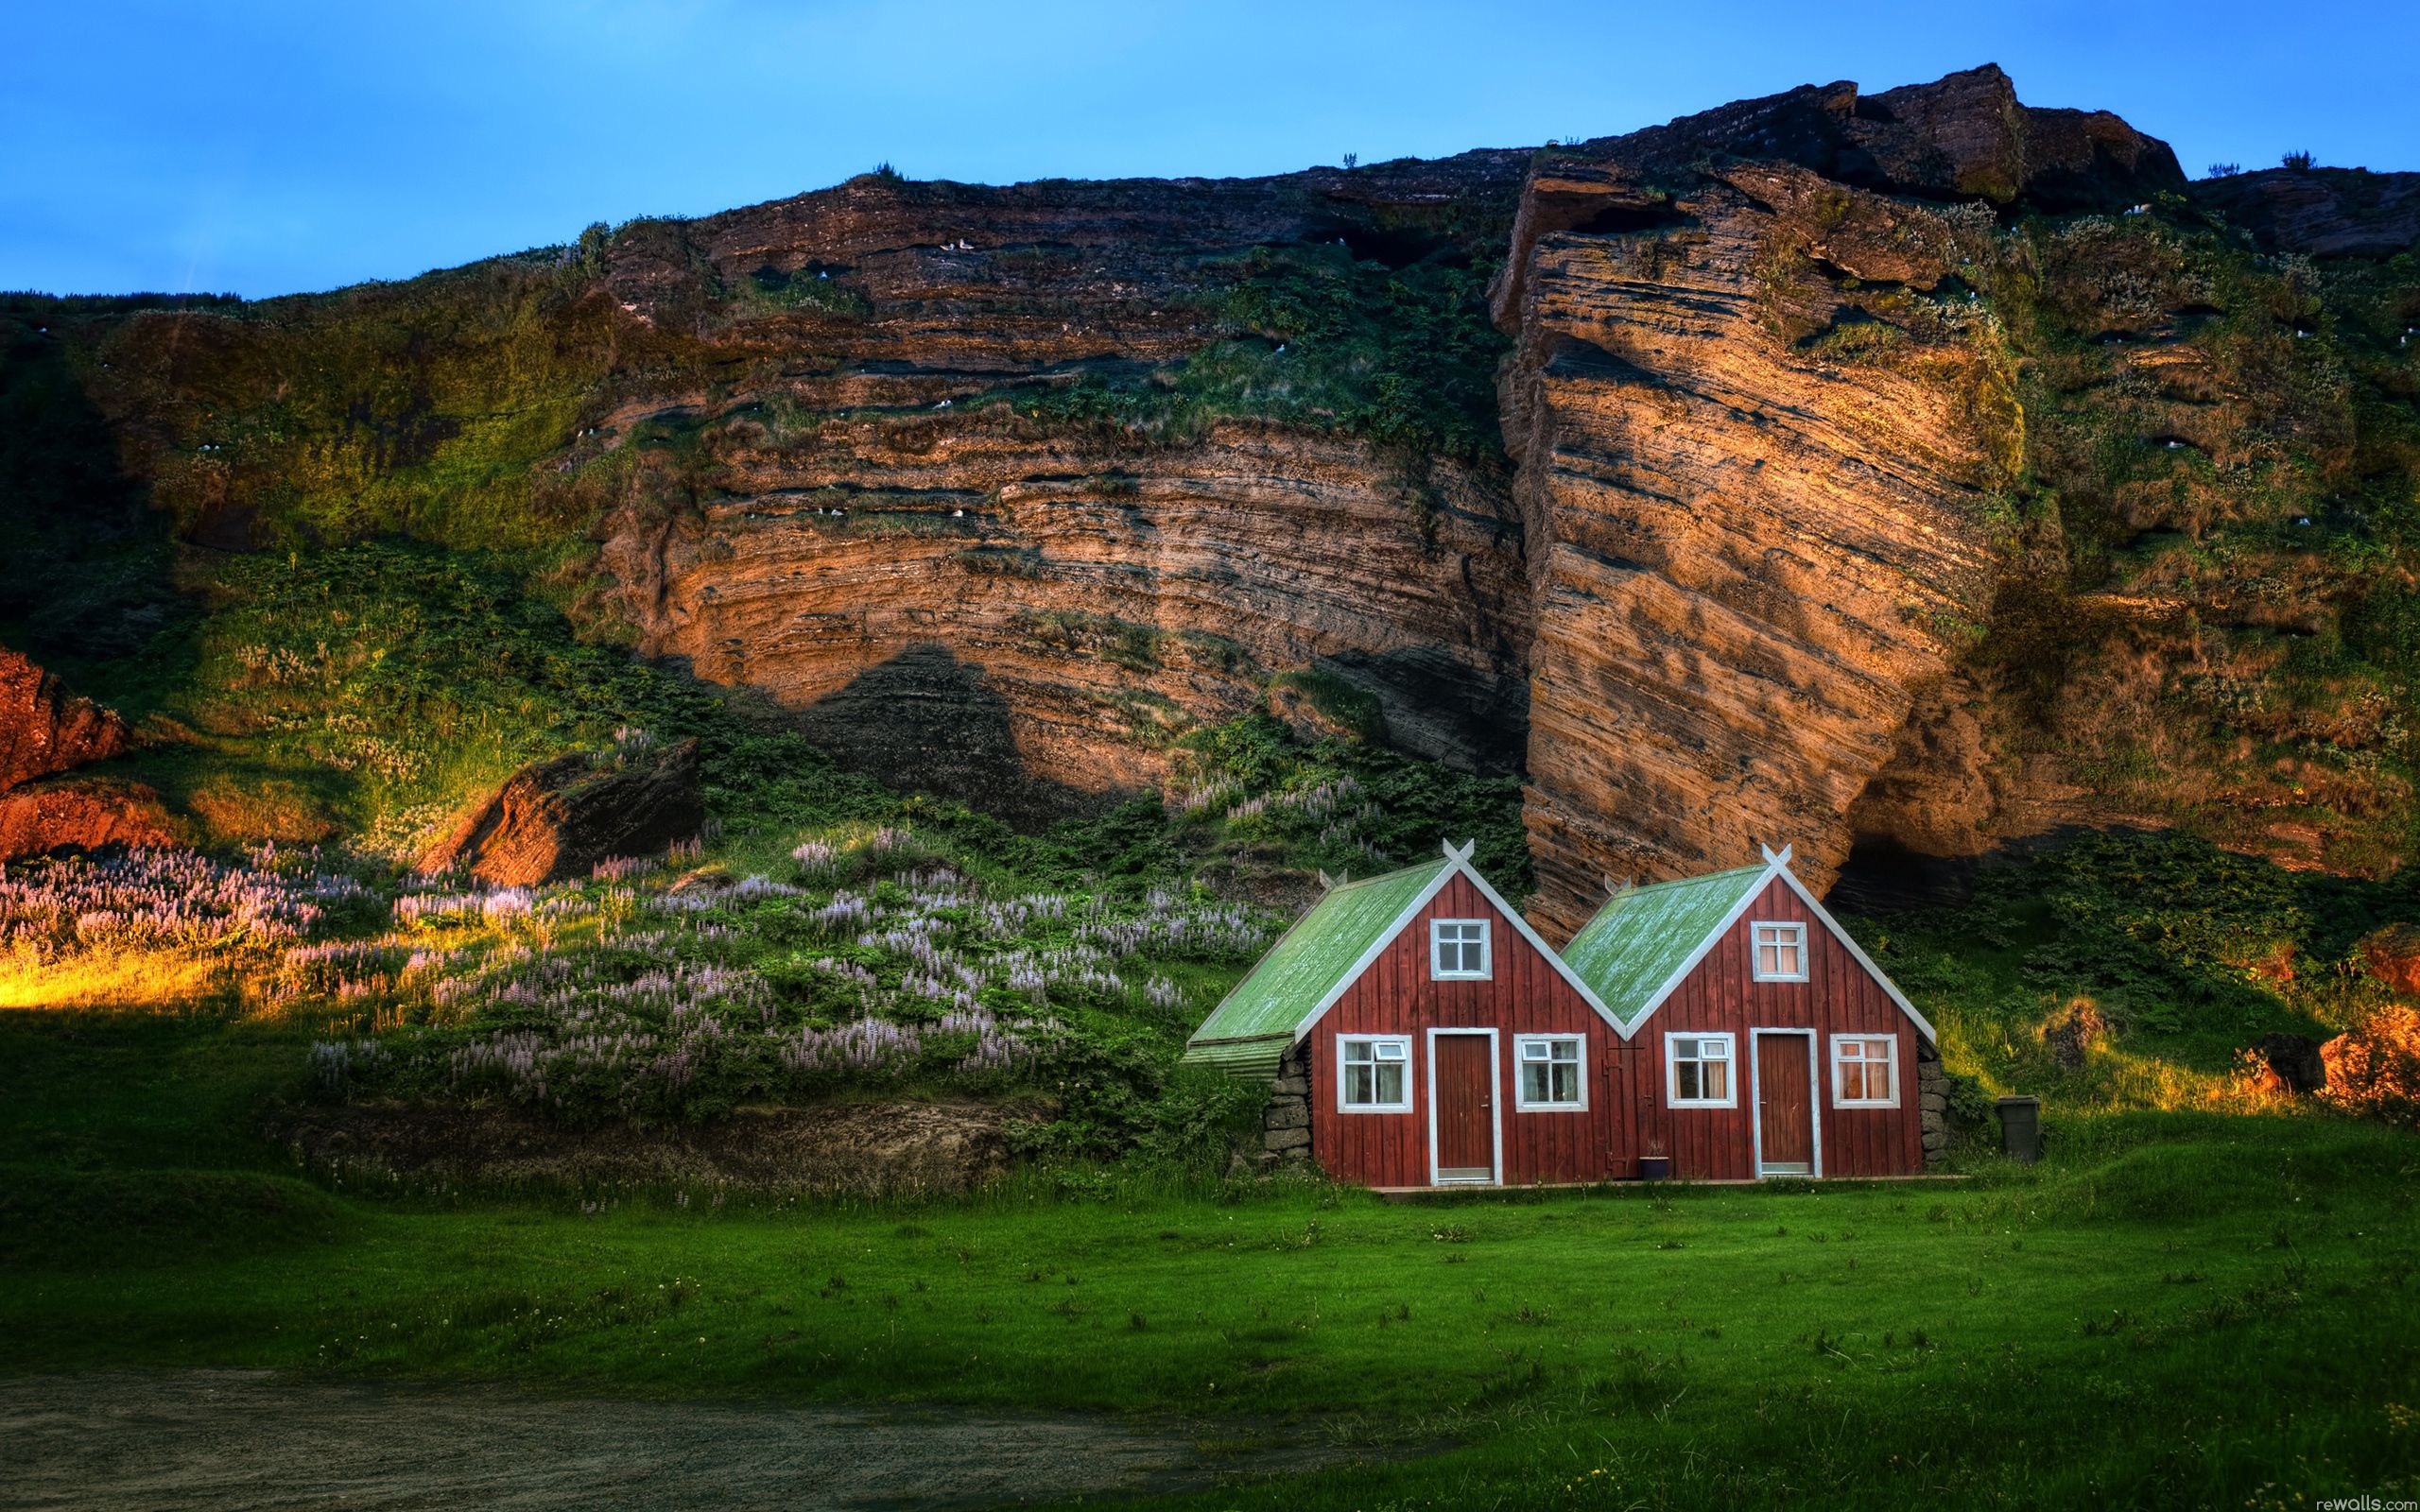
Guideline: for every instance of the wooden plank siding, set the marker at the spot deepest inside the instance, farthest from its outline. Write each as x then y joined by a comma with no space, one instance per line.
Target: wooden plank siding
1525,995
1720,994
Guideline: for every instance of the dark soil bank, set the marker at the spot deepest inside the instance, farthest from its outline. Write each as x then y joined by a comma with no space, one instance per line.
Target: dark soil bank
250,1439
867,1148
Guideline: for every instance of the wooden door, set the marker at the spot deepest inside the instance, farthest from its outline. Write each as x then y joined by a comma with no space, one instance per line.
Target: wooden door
1784,1105
1466,1107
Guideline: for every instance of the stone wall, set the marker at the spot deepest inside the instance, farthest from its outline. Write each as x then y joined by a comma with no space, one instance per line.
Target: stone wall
1286,1125
1933,1102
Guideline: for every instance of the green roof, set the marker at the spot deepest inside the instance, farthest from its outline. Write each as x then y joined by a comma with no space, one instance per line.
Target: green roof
1260,1017
1637,940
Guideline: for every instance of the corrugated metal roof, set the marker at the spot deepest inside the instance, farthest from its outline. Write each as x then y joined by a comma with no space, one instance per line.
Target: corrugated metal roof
1312,959
1638,940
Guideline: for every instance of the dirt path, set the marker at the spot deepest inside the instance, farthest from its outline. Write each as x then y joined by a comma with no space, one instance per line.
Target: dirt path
230,1438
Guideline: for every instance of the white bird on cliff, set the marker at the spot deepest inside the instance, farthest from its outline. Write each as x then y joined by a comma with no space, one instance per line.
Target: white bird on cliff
825,273
944,405
958,514
1280,351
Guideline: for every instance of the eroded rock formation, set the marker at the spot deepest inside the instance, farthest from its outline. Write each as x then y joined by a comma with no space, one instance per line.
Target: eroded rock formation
2321,212
81,814
1017,607
44,728
557,819
1751,555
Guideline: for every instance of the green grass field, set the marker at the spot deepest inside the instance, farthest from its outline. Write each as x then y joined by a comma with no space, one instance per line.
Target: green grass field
2176,1309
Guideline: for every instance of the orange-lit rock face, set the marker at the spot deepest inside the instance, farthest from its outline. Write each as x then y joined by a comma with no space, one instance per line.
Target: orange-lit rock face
893,455
1759,429
555,820
44,730
81,814
1019,610
1749,556
1005,622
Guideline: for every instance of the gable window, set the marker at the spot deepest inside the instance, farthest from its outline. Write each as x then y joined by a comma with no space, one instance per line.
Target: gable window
1697,1071
1458,947
1865,1071
1374,1073
1549,1066
1781,952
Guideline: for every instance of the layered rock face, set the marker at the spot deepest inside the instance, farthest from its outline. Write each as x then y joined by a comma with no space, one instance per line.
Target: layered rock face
1753,547
1009,631
1019,607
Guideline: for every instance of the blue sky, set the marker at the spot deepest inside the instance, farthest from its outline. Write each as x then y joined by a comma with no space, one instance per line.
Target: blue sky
265,147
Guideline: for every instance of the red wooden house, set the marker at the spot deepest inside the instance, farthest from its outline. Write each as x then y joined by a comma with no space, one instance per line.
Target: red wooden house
1421,1034
1763,1041
1418,1033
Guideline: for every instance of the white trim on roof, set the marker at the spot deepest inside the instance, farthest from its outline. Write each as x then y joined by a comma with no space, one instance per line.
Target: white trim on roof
1777,865
1379,946
1458,864
1862,959
1554,957
1705,946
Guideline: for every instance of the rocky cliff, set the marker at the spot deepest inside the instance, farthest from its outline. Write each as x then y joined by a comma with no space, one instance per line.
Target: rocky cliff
1753,549
1897,473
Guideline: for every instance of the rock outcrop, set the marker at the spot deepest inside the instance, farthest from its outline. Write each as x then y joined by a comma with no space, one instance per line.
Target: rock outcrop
1758,432
44,728
2392,954
2295,1060
81,814
2321,212
555,820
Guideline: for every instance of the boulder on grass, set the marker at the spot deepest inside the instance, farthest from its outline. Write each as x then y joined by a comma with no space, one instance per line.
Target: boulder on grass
556,820
2393,955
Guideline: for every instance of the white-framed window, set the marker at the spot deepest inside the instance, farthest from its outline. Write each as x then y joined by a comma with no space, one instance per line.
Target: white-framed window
1458,949
1550,1071
1698,1070
1865,1071
1374,1073
1780,952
